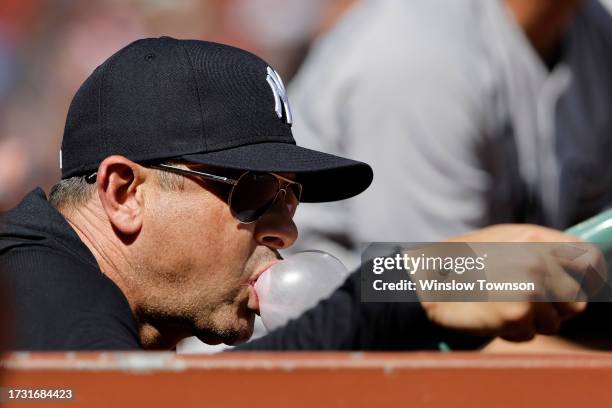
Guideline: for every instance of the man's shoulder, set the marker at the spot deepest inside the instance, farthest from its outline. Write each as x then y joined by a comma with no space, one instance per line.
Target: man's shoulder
61,302
59,274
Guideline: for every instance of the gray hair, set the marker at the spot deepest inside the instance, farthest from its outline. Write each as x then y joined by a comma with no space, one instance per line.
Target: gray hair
75,192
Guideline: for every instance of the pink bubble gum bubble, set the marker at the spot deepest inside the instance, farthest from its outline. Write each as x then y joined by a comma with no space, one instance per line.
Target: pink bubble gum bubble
294,285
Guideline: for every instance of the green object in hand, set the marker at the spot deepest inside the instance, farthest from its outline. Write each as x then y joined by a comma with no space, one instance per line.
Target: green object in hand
597,230
444,347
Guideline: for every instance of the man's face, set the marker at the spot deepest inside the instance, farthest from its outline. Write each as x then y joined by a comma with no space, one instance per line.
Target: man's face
202,262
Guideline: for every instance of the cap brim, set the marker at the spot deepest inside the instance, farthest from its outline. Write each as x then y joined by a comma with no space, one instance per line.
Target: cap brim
324,177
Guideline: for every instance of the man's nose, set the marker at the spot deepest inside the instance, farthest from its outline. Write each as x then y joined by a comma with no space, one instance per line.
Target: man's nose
276,228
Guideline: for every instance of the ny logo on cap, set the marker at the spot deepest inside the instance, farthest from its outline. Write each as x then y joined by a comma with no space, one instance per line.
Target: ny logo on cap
280,94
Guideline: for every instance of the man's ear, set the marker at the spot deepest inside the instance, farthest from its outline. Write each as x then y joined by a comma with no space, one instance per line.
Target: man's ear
119,182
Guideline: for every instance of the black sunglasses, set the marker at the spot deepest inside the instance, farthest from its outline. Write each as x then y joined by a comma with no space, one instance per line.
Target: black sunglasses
252,194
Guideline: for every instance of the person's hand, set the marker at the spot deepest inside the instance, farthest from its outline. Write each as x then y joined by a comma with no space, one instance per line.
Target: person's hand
521,320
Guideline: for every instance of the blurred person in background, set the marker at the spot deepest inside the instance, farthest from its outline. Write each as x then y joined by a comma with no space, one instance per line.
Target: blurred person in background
470,112
473,113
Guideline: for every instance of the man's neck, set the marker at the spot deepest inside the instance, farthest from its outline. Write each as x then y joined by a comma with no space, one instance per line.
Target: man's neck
90,226
94,231
545,23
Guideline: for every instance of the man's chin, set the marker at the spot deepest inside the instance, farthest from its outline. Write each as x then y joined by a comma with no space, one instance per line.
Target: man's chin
209,340
230,338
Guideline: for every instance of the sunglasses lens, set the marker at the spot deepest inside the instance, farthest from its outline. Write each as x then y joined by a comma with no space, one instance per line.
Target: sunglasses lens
296,189
292,197
253,195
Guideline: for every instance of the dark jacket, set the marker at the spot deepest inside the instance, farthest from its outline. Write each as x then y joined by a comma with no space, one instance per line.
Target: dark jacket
59,298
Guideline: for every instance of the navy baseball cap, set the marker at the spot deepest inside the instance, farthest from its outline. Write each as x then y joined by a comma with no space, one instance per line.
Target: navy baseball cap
201,102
